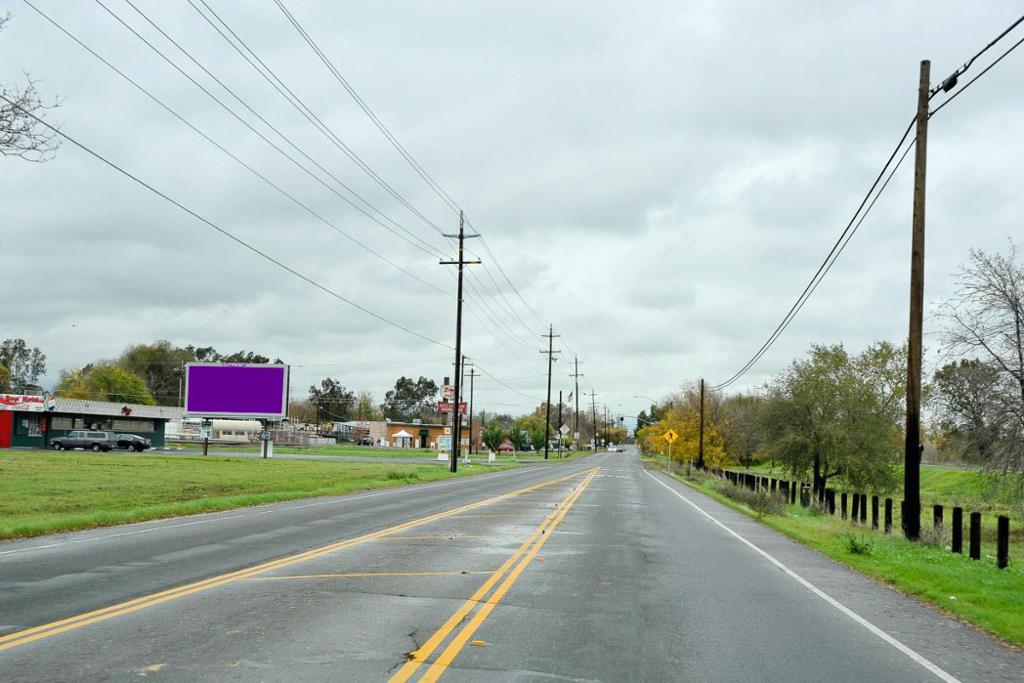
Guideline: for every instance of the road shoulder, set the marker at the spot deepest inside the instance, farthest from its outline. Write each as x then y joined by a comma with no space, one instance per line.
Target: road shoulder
955,646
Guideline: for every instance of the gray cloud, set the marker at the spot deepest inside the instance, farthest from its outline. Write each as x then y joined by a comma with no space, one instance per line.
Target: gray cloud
659,180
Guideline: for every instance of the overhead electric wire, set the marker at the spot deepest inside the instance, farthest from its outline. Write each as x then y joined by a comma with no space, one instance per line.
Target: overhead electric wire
425,245
436,187
245,165
946,85
823,268
263,137
268,74
499,381
438,190
238,240
487,247
966,85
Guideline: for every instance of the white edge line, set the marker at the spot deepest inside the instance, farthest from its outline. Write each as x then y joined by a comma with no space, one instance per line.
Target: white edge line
920,659
159,526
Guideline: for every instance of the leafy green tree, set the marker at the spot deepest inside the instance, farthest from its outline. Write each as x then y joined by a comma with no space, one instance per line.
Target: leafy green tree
493,433
967,408
334,400
104,382
519,437
5,379
742,426
365,408
161,365
826,416
533,425
411,399
303,412
24,365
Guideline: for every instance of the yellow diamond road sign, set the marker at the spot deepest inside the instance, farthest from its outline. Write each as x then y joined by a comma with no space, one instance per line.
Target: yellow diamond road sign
670,435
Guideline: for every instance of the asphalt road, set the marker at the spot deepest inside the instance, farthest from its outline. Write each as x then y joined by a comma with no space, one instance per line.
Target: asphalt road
589,570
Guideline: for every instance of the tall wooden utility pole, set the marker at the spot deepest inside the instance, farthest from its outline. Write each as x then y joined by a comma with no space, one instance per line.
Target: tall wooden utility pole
593,409
576,424
472,374
912,447
559,423
551,359
453,463
700,444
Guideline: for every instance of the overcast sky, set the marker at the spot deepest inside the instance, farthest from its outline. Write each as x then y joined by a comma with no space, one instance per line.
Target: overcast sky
658,179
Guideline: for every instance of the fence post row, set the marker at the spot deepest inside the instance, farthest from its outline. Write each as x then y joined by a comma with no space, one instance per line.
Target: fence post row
857,510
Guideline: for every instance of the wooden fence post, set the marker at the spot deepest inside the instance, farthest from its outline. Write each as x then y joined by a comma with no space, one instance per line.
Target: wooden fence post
830,501
855,509
874,512
888,515
842,504
1002,542
863,508
975,549
958,530
936,516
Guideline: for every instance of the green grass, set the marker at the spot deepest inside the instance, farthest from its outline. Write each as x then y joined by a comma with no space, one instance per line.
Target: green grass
44,492
976,591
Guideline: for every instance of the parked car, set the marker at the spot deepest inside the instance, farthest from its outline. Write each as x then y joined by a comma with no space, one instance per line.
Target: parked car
133,443
96,441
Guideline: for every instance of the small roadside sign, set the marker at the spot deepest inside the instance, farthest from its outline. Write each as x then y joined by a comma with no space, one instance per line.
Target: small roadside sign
670,436
564,430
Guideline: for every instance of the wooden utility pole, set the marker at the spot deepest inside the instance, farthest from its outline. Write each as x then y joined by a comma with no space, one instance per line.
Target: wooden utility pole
551,359
576,424
593,409
912,446
472,374
700,444
461,262
559,423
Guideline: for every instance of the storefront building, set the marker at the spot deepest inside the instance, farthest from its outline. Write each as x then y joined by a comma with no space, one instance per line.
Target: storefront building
31,421
420,435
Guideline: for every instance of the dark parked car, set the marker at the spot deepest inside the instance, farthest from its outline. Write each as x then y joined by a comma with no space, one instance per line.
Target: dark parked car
96,441
133,443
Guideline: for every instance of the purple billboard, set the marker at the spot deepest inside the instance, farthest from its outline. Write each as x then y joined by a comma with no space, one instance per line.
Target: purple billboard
236,390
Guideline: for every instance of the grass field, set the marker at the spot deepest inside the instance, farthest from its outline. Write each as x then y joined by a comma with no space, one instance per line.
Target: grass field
976,591
44,492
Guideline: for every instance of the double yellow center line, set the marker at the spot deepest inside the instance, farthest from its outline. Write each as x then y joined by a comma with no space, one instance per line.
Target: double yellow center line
517,562
36,633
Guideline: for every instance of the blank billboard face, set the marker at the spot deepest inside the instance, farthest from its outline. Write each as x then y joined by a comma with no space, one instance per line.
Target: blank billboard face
236,390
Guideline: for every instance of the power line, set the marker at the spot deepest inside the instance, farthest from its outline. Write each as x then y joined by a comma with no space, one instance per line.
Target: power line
826,264
410,239
234,157
438,190
214,226
950,82
268,74
968,83
398,147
